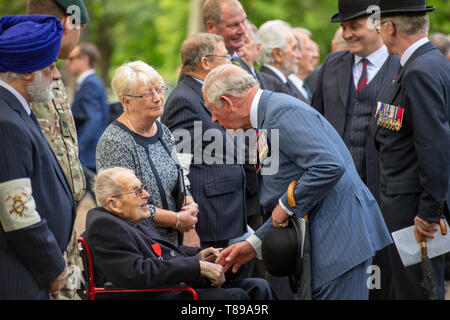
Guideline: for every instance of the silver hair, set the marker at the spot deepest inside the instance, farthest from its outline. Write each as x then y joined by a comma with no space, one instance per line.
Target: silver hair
106,185
253,31
272,35
228,80
212,10
9,76
411,24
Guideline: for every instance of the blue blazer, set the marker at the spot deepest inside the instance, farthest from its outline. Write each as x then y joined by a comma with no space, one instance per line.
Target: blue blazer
346,225
90,110
219,189
32,257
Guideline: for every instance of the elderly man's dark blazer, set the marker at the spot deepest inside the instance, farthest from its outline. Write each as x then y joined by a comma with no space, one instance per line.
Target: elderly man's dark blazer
332,94
415,161
32,257
123,254
219,189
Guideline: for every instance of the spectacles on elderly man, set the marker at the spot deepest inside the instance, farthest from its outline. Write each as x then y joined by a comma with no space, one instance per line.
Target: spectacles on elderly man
378,26
150,94
138,192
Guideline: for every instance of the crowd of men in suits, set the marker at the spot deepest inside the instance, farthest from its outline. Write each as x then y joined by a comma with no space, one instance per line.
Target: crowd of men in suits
366,135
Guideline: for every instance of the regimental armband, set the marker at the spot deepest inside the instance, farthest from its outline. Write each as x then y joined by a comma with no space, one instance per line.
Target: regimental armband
17,205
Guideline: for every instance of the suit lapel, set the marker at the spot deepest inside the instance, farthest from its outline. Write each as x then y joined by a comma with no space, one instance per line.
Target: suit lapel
344,75
197,87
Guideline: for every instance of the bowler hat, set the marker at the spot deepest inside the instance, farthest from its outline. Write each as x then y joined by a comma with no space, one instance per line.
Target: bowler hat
352,9
389,7
281,251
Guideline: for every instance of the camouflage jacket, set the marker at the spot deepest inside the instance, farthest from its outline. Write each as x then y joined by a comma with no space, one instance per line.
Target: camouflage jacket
57,123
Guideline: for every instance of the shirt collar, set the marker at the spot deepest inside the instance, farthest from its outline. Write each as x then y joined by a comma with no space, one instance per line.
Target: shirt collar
198,80
409,52
16,94
277,72
377,58
84,75
254,109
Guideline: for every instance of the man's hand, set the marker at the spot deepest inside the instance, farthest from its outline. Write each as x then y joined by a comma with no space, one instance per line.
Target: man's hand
191,239
236,255
425,228
59,282
280,218
188,218
212,272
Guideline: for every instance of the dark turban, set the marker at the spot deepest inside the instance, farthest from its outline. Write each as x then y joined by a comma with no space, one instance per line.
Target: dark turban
29,43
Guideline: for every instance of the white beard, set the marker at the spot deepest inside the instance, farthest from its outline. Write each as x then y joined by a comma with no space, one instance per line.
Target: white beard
40,90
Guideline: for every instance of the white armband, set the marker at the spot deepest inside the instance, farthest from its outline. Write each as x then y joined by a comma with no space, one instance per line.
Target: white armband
17,206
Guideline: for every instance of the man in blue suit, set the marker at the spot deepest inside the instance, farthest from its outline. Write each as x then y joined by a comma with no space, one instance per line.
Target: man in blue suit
37,210
413,140
217,186
90,106
297,143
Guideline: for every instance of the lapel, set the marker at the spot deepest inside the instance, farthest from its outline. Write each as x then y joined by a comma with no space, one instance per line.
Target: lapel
197,88
344,79
37,132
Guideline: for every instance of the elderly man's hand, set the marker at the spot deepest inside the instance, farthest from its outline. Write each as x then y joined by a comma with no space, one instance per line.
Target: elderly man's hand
236,255
280,218
208,254
212,272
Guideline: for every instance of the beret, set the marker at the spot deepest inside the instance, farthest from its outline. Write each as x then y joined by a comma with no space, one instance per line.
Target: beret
29,43
66,4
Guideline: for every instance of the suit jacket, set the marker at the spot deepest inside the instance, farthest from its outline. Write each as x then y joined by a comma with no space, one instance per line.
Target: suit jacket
90,109
219,189
346,225
331,99
31,256
270,81
123,254
415,166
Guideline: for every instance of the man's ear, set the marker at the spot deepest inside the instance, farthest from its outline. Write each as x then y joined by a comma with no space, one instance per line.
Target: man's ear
29,77
210,27
277,55
66,24
113,205
228,101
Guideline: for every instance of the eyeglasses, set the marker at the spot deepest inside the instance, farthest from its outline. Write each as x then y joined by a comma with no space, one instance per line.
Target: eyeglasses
74,57
378,26
138,192
216,55
150,94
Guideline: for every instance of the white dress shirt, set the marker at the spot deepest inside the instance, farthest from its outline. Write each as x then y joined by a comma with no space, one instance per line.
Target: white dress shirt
376,61
409,52
83,77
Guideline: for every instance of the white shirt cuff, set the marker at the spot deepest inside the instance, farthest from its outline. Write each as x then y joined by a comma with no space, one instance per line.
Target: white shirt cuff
255,242
289,212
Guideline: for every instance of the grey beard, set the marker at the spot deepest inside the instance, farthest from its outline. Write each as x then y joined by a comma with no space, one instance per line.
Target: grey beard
40,90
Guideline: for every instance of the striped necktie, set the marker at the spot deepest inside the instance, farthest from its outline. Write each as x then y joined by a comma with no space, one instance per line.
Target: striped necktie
363,79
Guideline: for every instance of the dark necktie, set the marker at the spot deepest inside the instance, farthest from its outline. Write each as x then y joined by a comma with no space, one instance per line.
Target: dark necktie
363,79
305,86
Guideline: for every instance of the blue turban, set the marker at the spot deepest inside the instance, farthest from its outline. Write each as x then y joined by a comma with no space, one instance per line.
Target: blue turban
29,43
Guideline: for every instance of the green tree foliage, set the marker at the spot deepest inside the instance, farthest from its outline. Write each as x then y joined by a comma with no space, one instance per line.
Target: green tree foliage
153,30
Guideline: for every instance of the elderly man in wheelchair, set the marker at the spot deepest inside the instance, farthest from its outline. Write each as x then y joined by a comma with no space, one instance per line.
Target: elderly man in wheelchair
128,252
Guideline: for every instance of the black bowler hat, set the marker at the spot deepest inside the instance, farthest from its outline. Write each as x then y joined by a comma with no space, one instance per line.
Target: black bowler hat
390,7
352,9
280,251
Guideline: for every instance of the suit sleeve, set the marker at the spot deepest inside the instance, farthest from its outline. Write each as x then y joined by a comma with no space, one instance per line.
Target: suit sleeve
431,130
92,105
26,233
317,98
305,141
117,255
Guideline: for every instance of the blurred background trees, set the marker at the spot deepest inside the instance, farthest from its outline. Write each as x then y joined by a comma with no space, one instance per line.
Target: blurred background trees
153,30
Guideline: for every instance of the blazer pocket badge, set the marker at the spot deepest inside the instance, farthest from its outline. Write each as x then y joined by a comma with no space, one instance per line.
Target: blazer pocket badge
389,116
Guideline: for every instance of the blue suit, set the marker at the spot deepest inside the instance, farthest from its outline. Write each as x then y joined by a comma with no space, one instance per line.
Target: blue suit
219,189
30,256
90,110
346,225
